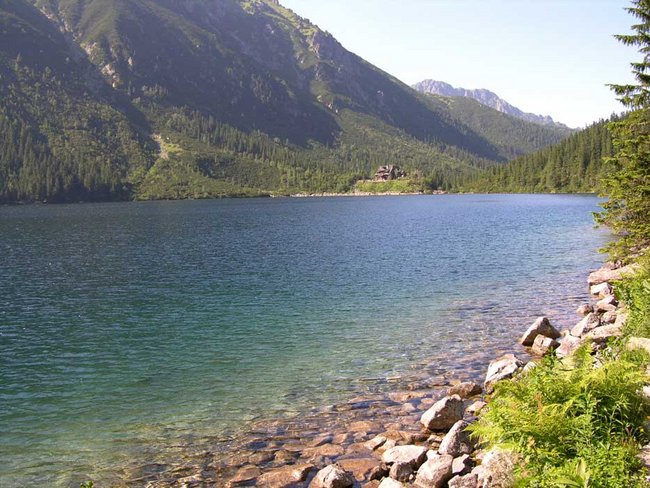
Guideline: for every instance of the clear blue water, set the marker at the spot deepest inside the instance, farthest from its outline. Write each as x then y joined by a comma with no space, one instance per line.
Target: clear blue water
127,329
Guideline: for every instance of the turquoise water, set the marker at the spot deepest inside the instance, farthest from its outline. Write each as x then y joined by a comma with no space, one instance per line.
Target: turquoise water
129,329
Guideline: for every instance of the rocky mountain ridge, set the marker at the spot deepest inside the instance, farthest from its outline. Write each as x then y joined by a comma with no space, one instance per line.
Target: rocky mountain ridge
486,97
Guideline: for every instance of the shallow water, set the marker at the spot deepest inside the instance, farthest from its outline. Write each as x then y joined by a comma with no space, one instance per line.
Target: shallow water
129,332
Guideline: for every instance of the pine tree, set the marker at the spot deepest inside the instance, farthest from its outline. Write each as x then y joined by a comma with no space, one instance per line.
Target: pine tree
627,211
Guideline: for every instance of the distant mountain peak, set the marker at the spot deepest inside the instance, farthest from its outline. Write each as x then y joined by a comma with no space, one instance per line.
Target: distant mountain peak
486,97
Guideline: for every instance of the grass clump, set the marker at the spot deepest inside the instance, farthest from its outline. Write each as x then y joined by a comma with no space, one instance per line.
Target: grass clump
574,426
635,292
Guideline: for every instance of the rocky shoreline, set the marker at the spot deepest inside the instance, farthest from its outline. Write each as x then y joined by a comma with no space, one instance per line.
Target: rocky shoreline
413,438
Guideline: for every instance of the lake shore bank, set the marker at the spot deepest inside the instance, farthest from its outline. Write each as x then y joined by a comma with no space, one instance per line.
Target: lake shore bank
362,435
409,436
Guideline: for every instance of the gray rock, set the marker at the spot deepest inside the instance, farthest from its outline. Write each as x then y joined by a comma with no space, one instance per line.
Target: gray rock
475,407
602,334
457,441
466,390
604,274
443,414
587,324
621,318
413,455
585,309
467,481
607,304
462,465
638,343
498,469
500,369
541,326
401,471
608,317
435,472
544,345
333,476
568,346
601,290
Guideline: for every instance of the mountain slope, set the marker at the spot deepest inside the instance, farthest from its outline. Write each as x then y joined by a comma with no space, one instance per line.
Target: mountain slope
486,97
202,98
574,165
62,131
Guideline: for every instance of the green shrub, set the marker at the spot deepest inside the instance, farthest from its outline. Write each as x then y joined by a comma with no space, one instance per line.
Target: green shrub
635,292
567,421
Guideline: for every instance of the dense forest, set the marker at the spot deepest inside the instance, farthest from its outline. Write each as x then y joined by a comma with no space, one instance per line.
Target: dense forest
147,99
574,165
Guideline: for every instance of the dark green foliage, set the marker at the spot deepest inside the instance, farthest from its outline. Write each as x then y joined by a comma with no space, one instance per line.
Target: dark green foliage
627,210
558,417
59,140
573,165
635,292
259,100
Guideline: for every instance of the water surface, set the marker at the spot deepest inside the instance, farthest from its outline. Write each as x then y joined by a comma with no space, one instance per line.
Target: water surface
128,329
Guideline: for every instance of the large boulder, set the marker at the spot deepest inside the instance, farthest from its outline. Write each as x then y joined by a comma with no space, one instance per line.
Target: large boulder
601,290
541,326
604,274
607,304
435,472
443,414
332,476
498,469
413,455
602,334
457,441
621,318
543,345
587,324
569,345
500,369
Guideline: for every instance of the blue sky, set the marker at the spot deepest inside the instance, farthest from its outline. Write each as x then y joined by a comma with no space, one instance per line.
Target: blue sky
552,57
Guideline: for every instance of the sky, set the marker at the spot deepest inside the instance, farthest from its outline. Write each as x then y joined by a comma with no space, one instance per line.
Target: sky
550,57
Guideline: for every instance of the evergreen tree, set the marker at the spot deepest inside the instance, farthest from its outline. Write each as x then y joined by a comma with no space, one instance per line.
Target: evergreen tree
627,211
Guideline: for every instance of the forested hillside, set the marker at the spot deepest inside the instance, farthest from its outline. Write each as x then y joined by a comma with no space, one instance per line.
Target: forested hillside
574,165
152,99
